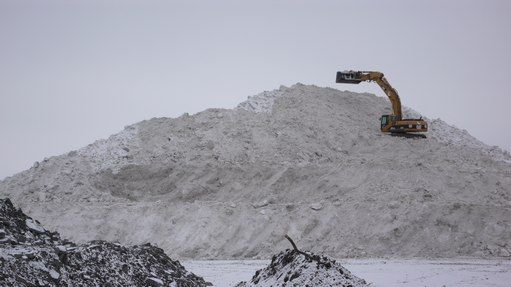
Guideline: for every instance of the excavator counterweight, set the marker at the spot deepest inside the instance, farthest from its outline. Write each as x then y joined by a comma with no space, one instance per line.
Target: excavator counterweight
393,123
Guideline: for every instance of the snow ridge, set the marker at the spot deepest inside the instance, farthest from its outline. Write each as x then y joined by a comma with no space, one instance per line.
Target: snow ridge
263,102
112,152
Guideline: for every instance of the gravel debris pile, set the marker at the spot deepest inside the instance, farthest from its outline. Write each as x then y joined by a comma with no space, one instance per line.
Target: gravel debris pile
32,256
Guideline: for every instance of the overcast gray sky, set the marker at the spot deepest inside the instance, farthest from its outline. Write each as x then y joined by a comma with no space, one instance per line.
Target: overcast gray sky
72,72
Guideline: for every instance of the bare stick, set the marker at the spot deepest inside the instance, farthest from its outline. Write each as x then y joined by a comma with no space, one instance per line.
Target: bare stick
298,251
292,243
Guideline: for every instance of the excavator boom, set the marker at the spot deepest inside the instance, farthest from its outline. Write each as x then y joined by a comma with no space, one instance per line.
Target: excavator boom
394,122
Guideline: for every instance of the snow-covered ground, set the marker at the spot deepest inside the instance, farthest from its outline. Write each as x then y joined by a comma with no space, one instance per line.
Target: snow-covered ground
379,272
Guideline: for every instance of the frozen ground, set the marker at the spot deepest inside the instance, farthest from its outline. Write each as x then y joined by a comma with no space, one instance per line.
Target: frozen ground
381,273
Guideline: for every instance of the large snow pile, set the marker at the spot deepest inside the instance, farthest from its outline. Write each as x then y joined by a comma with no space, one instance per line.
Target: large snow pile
32,256
292,268
303,160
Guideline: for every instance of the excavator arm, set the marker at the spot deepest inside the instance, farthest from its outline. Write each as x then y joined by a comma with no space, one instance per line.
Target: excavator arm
355,77
393,123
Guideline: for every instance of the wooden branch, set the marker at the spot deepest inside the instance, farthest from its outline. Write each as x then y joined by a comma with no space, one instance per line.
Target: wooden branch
298,251
292,243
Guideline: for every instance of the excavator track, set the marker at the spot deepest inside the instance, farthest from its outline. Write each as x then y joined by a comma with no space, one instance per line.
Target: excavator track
408,135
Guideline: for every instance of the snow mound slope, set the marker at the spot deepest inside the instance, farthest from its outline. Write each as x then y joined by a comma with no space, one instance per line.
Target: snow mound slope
112,152
263,102
451,135
303,160
32,256
291,268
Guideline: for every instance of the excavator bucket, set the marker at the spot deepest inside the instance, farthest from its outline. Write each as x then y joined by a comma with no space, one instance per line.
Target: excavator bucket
348,77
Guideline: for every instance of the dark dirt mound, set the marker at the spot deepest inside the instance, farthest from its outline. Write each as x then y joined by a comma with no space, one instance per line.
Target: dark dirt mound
33,256
292,268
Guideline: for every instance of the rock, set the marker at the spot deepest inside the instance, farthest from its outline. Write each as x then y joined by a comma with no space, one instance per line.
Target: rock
54,274
61,248
153,282
316,206
260,204
34,226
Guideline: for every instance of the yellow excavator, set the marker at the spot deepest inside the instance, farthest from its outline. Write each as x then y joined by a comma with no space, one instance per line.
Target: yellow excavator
394,123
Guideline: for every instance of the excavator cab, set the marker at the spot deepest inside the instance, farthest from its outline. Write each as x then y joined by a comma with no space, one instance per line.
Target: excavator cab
387,119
